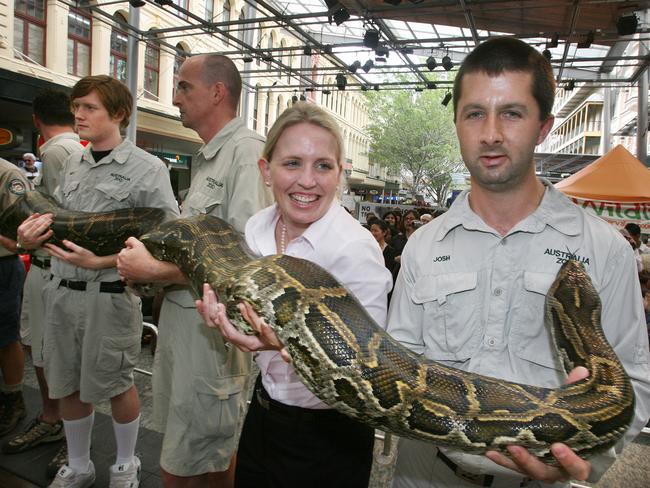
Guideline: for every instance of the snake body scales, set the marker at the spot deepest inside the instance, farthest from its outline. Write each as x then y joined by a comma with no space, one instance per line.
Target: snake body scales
350,363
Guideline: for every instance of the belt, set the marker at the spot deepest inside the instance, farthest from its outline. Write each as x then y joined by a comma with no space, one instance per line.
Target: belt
40,263
9,257
104,286
290,411
475,479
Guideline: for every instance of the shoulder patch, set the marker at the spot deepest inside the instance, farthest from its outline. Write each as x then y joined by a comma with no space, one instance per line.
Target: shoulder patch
16,186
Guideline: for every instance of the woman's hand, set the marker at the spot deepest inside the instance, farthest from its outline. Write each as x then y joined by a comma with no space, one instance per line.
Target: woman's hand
34,231
214,315
79,256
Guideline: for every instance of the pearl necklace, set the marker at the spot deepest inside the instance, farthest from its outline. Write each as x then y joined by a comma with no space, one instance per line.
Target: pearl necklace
283,238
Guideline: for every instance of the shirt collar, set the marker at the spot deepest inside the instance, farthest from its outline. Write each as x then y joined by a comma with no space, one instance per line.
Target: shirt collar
212,147
552,211
59,137
120,153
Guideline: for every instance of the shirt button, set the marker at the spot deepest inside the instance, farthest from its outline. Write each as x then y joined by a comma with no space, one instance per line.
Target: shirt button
492,341
498,292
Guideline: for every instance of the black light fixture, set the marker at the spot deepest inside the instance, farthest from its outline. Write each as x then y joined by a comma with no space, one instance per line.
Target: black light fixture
382,51
327,92
341,16
380,60
431,85
554,41
376,87
371,38
407,50
547,54
336,12
267,57
431,63
294,98
626,25
327,49
445,101
447,63
570,85
307,50
367,66
162,3
393,2
137,3
303,98
341,81
586,42
248,58
364,87
418,88
354,66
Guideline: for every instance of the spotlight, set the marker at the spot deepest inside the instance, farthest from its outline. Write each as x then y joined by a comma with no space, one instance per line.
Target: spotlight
382,51
364,87
341,81
570,85
547,54
371,38
380,60
418,88
554,41
307,50
341,16
586,43
327,49
294,99
393,2
367,66
247,58
431,63
326,92
447,63
626,25
376,87
267,58
303,98
445,101
354,67
431,85
137,3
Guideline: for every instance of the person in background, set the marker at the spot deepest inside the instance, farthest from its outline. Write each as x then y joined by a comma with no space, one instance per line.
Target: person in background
482,312
390,218
406,228
635,233
426,218
54,121
93,323
291,439
379,230
30,169
635,248
199,445
13,184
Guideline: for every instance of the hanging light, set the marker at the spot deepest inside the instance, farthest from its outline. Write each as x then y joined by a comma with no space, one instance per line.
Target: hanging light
447,63
354,67
341,81
371,38
431,63
367,66
445,101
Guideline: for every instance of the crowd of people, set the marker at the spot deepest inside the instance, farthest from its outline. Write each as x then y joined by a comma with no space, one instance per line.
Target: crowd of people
469,286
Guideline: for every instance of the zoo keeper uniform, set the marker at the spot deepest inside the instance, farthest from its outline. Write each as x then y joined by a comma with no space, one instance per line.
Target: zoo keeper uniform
53,154
93,323
472,299
13,184
200,386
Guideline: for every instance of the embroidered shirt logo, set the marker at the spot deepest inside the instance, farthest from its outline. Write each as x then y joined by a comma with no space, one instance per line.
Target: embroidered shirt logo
564,256
120,178
212,183
440,259
16,186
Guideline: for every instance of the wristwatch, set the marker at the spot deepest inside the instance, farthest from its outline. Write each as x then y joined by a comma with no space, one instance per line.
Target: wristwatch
20,249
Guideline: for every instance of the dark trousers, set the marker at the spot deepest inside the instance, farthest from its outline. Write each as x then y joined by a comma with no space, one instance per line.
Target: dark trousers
12,275
286,447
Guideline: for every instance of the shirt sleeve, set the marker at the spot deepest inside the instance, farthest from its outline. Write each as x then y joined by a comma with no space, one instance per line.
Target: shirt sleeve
158,193
361,269
247,193
13,184
405,317
623,321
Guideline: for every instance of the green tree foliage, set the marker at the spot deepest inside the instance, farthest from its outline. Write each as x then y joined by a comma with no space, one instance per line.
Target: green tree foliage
411,132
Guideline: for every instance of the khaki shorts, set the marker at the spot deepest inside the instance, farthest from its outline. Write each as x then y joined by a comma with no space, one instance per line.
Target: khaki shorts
92,341
199,391
32,315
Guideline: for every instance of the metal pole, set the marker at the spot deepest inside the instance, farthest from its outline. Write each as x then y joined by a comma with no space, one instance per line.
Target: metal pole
246,78
642,120
606,133
132,71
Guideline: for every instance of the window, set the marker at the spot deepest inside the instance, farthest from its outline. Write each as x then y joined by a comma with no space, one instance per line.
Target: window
180,56
79,41
278,107
255,103
151,68
209,10
270,46
267,109
241,28
225,14
182,4
119,41
29,29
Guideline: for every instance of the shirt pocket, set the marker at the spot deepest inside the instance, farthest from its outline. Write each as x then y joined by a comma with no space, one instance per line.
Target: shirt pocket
114,197
69,189
452,315
531,336
206,200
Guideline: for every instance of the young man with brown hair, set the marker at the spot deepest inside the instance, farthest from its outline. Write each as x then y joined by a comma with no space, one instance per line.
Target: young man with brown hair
94,324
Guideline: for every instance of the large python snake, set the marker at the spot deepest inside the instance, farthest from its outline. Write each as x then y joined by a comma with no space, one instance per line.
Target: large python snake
350,363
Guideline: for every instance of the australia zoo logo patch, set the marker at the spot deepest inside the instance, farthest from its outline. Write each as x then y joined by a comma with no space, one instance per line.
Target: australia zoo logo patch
16,186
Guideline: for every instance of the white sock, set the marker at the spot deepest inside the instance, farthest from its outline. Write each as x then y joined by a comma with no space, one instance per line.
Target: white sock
126,435
77,434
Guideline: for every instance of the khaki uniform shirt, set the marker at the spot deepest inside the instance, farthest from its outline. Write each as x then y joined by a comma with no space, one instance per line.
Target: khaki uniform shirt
127,177
12,185
472,299
226,183
53,155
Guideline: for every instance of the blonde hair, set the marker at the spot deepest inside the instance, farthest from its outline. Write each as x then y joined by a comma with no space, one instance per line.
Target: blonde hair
298,113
